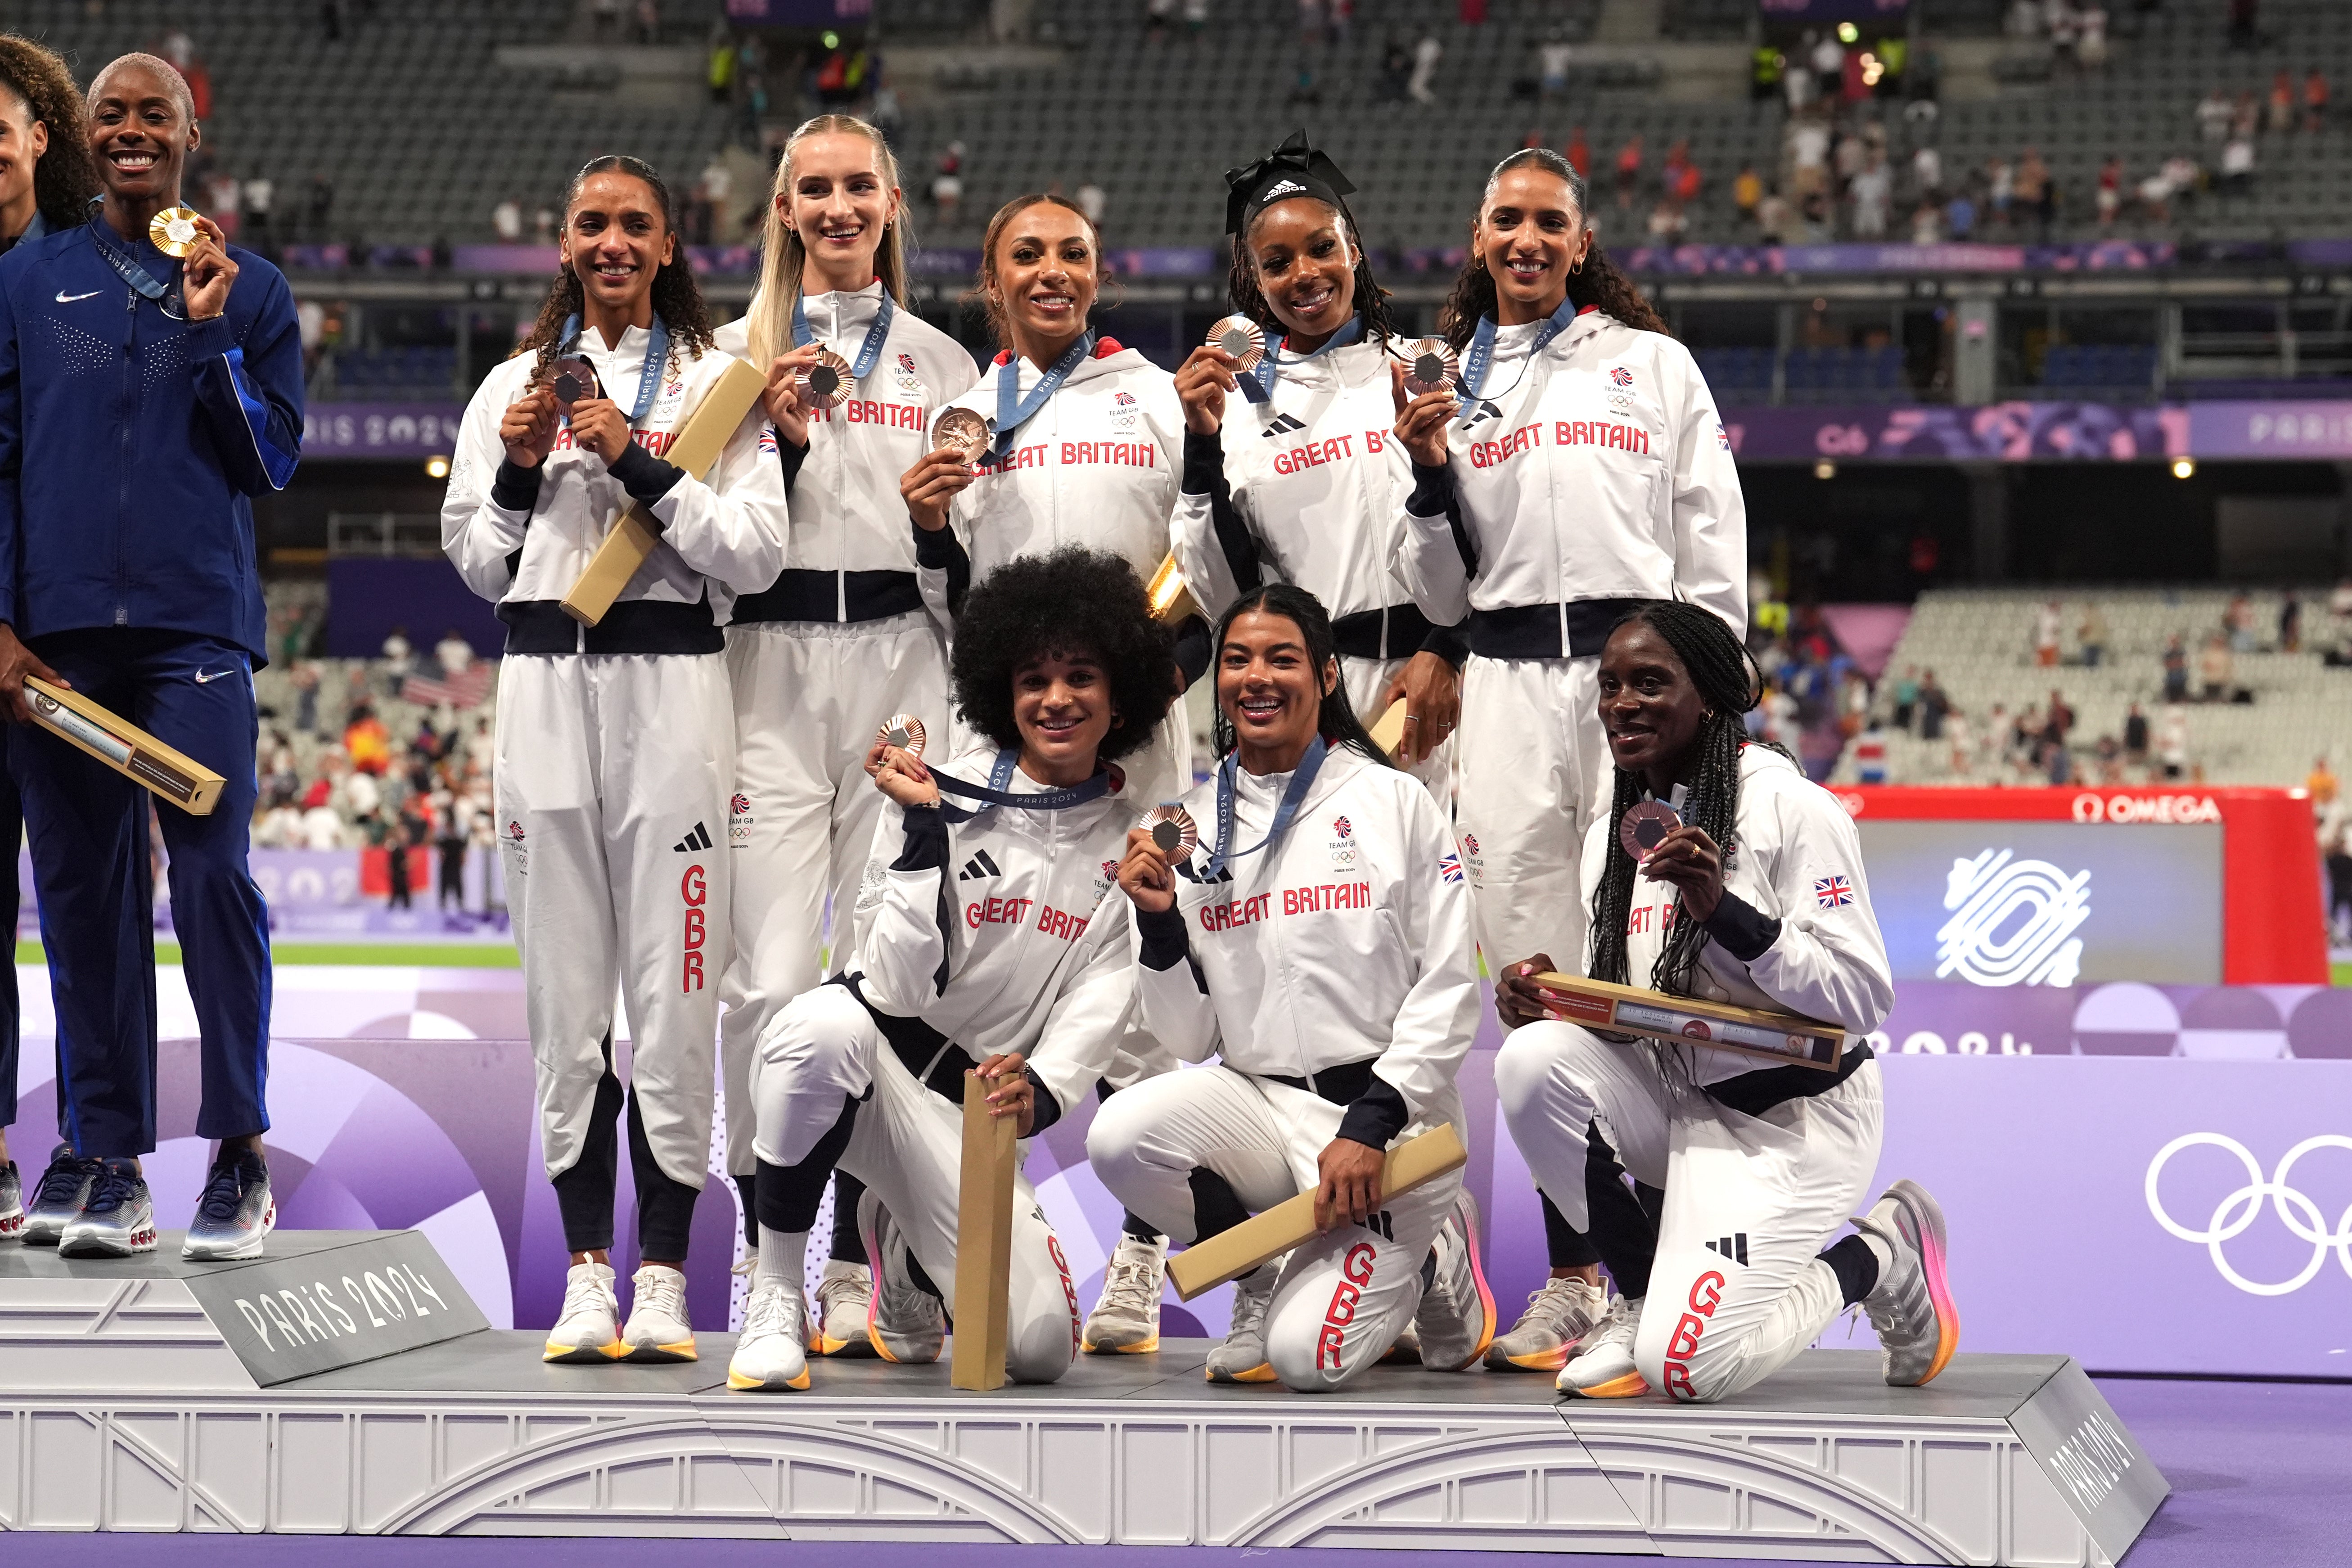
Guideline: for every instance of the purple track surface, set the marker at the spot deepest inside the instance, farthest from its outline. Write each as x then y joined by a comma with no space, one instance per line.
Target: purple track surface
2260,1472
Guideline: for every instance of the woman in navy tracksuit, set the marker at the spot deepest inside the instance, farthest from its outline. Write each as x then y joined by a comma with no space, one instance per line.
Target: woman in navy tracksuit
143,399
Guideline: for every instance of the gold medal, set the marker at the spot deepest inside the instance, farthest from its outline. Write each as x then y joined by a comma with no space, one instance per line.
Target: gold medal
1240,337
1430,366
572,380
960,430
1644,827
175,231
826,383
903,731
1172,829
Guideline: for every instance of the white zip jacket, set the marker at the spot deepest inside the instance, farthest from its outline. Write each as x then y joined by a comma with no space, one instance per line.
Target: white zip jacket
1806,941
1605,473
1317,483
1096,465
725,536
1347,941
1035,952
848,515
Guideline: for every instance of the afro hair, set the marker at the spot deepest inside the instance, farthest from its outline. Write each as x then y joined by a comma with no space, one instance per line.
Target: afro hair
1071,601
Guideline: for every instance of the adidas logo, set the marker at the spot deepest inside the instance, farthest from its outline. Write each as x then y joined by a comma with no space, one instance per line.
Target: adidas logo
1283,424
698,838
1280,189
1734,1247
1485,411
977,866
1184,870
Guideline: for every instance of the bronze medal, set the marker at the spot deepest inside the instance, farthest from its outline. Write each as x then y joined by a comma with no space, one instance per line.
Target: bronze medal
960,430
174,231
572,380
1242,338
828,384
1172,829
1430,366
1644,827
903,731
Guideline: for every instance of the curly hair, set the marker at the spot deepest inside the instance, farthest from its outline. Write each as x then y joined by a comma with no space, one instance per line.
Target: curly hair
63,180
677,299
1337,723
982,291
1371,300
1593,282
1729,684
1070,601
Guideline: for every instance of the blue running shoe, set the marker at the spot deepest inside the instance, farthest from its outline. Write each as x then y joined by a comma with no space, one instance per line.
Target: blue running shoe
59,1197
117,1220
236,1212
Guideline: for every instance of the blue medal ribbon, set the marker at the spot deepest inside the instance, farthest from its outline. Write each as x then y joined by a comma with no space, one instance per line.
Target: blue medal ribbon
1482,355
1293,797
1258,384
1012,410
649,375
124,260
995,791
868,352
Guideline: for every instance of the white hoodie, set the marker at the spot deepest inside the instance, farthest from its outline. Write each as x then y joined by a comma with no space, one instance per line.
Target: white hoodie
723,537
1036,955
1798,863
1347,941
847,514
1603,472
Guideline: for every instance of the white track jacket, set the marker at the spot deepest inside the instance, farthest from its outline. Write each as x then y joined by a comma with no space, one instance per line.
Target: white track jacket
723,537
1808,943
1347,941
1004,933
1604,473
1096,465
848,515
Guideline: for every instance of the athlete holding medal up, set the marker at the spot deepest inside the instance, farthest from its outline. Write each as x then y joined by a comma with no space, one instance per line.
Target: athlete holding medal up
1291,473
1316,939
841,637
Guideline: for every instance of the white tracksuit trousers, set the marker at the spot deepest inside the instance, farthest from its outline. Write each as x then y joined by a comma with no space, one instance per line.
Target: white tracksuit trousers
1341,1299
907,1146
612,777
809,695
1534,767
1766,1192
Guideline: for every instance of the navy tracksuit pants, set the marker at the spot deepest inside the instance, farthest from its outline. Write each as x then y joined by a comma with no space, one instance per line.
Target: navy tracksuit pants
88,825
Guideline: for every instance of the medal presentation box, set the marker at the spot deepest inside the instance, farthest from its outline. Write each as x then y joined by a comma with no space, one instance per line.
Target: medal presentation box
343,1385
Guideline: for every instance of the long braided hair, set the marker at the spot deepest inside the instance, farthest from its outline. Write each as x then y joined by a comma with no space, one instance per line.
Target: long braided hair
1595,282
1728,679
677,299
1371,300
1337,721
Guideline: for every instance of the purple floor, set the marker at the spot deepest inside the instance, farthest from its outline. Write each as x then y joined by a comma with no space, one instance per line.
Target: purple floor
2261,1473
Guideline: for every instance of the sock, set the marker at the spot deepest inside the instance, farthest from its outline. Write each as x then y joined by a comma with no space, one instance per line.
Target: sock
1142,1229
1856,1262
783,1258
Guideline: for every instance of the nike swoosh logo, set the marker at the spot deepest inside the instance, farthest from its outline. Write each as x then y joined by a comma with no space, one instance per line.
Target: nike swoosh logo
202,677
66,299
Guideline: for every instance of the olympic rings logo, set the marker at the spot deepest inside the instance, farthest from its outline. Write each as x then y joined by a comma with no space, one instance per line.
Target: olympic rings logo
2238,1211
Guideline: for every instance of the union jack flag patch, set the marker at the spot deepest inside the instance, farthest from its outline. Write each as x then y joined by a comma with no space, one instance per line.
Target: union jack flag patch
1832,892
767,438
1450,868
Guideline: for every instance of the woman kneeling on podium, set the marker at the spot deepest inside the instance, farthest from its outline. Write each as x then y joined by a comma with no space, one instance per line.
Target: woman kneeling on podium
1315,937
985,936
1756,897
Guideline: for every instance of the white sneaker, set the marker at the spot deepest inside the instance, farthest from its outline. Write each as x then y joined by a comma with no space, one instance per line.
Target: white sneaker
904,1323
1242,1358
1126,1321
1602,1367
1558,1315
587,1332
658,1328
843,1297
1455,1321
1911,1305
770,1355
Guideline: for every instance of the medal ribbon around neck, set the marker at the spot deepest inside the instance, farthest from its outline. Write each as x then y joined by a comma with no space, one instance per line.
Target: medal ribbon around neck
648,375
125,261
868,352
1293,797
1012,410
1482,355
995,791
1258,384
